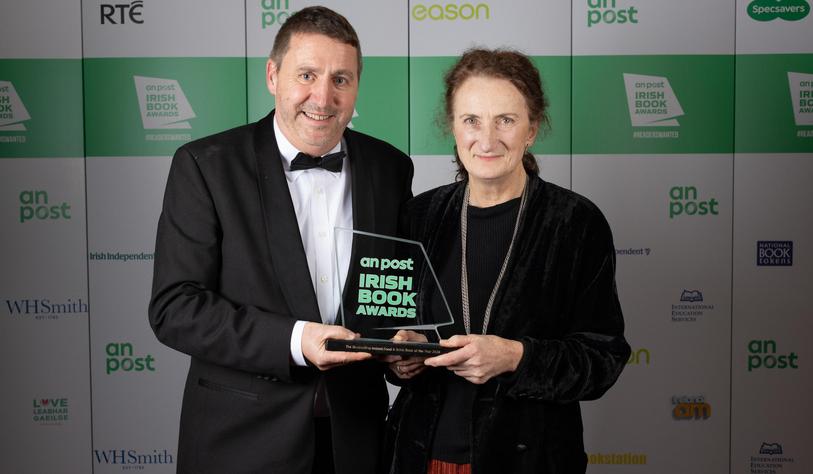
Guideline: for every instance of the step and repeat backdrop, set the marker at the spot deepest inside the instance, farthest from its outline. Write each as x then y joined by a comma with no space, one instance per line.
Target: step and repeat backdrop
689,123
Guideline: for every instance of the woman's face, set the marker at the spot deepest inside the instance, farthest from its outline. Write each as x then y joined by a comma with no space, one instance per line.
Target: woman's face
491,129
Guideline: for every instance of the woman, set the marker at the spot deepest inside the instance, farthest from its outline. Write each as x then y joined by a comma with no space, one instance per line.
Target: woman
538,324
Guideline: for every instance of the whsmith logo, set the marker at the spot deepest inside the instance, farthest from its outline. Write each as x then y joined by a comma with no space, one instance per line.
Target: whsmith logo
801,96
762,355
35,205
638,357
774,253
607,12
651,101
163,103
275,12
771,459
451,12
50,411
44,308
768,10
132,459
691,306
617,458
120,357
684,200
690,408
122,13
12,111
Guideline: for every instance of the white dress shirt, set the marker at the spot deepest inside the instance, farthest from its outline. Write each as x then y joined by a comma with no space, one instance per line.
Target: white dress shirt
322,201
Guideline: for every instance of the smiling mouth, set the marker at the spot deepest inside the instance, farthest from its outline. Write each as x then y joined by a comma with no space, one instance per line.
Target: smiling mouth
317,117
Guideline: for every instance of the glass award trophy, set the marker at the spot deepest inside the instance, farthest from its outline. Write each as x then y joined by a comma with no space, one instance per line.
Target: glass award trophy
388,287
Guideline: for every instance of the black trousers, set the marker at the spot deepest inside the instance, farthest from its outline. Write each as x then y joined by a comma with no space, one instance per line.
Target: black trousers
323,454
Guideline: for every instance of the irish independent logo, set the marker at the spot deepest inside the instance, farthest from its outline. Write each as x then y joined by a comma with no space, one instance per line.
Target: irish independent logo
50,411
801,96
12,110
163,107
609,12
652,103
774,253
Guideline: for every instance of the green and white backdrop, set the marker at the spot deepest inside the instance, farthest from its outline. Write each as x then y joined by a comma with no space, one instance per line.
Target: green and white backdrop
689,123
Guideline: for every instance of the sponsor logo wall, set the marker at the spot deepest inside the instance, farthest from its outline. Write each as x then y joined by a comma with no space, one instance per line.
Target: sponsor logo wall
695,141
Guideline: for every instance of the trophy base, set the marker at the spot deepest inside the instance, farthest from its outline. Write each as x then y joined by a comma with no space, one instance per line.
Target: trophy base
386,347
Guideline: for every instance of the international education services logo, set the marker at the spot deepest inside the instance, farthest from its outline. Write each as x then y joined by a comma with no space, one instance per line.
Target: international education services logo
774,253
451,11
164,106
769,10
652,103
690,307
121,358
686,201
771,459
44,309
50,411
762,356
801,96
35,205
608,12
13,113
132,459
274,13
693,407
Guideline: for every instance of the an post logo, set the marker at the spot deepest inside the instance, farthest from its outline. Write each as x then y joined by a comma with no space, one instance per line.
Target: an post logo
639,357
651,101
685,201
130,459
122,13
12,111
274,13
45,308
775,253
801,96
35,205
690,408
163,103
768,10
451,12
762,355
607,12
50,411
120,358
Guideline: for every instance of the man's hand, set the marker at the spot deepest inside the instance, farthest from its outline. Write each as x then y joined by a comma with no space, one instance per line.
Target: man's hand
479,358
406,368
313,346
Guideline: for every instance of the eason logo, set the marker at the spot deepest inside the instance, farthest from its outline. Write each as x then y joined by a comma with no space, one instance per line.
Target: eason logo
639,357
685,201
122,13
691,307
163,103
36,205
12,110
274,12
801,96
774,253
45,309
690,408
768,10
617,458
762,355
451,11
131,459
771,459
120,357
50,411
607,12
652,103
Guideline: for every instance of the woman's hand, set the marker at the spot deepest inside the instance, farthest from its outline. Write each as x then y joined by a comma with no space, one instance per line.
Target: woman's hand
479,358
406,368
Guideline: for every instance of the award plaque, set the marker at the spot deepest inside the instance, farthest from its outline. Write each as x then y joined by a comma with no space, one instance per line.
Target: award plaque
388,287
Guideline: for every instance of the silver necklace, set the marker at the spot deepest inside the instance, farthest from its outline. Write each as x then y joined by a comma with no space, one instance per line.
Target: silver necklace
464,279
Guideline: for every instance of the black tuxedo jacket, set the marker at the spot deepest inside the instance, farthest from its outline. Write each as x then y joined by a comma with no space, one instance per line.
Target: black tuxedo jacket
230,280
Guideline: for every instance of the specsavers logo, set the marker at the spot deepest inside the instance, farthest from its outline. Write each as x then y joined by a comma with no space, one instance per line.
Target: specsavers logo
768,10
652,102
12,111
608,12
163,103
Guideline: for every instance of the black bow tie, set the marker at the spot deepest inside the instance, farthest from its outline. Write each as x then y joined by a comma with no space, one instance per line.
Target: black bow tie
331,162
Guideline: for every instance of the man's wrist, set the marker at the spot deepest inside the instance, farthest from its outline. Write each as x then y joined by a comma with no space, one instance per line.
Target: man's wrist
297,356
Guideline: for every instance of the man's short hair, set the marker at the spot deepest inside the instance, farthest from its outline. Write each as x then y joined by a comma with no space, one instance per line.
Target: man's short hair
316,20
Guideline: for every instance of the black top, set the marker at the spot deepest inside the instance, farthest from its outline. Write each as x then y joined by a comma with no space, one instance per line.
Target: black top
489,236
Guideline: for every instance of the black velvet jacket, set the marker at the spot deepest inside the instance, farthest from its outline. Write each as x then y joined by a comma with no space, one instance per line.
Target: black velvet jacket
559,299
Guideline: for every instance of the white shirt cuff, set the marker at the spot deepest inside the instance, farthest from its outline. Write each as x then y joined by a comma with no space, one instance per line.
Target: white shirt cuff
296,344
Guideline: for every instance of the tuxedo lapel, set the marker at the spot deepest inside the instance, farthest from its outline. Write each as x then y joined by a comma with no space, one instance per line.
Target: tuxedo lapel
362,184
284,241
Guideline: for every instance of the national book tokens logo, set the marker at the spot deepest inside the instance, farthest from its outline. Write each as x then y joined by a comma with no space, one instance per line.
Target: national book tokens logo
652,102
801,96
163,103
775,253
768,10
12,111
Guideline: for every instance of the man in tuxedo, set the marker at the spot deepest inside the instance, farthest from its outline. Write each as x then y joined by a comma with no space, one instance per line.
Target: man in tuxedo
244,278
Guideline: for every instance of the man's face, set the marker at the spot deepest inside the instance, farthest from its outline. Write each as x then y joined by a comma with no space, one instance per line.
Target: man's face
315,89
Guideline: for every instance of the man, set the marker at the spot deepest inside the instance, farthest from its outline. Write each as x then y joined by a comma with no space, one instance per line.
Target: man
244,278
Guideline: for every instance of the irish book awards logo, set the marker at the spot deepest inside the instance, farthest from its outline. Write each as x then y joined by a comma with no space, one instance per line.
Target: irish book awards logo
762,355
50,411
164,106
42,309
652,103
769,10
774,253
121,358
801,96
35,205
690,307
771,459
609,12
13,113
690,407
686,201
